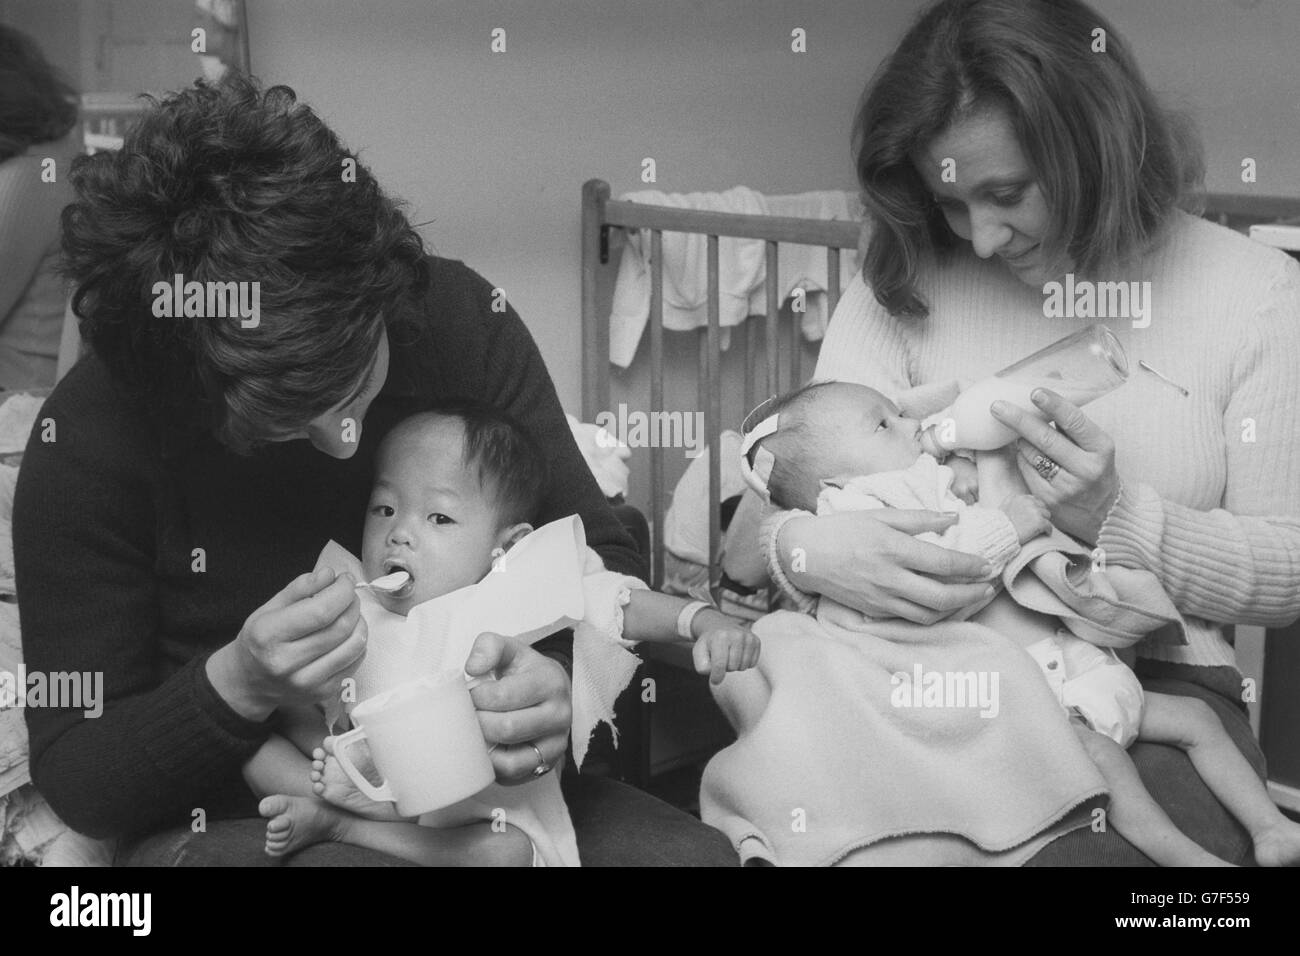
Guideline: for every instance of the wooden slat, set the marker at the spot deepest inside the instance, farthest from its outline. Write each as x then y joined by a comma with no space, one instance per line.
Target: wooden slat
770,341
832,281
807,232
751,332
1251,206
713,422
595,193
796,348
656,405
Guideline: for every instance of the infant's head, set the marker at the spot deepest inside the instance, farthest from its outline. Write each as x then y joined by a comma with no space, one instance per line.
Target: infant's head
453,489
833,429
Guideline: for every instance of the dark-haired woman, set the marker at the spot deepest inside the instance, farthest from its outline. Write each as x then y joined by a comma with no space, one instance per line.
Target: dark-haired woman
37,115
1006,146
209,446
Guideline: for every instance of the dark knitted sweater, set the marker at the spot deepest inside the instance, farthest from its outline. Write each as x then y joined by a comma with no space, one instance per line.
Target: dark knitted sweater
107,518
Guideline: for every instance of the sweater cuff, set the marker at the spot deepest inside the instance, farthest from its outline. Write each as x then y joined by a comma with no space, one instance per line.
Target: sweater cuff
1130,535
195,724
771,530
994,539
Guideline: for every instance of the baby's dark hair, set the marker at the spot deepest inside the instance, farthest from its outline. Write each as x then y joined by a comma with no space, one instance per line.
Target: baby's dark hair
795,479
509,462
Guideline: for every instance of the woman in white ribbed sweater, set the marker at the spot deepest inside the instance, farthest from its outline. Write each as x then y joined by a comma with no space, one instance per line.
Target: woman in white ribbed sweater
1006,145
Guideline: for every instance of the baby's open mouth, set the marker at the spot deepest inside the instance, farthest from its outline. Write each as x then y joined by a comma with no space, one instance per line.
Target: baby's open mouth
398,581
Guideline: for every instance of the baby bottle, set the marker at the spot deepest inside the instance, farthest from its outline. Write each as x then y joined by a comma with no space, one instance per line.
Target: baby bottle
1080,367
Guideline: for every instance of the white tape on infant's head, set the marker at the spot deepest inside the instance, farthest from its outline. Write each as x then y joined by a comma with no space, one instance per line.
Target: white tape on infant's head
762,470
756,434
759,474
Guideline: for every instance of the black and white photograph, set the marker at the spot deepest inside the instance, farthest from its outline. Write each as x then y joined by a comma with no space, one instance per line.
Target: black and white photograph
651,433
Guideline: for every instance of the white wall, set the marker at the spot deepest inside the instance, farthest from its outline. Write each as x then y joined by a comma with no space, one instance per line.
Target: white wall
1233,64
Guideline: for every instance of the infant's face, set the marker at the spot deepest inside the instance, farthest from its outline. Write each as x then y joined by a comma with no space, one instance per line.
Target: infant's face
871,434
429,516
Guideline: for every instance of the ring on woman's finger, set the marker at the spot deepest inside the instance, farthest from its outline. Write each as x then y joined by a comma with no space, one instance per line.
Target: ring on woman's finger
542,769
1046,467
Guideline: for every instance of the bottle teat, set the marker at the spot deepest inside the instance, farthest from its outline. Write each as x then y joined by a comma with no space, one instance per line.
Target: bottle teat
930,443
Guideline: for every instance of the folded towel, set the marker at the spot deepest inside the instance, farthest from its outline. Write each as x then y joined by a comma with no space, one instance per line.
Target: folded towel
742,267
685,277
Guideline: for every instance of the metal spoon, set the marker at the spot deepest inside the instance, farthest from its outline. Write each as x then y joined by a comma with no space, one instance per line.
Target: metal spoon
388,583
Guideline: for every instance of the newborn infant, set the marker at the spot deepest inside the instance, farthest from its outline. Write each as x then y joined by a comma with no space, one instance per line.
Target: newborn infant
838,441
836,446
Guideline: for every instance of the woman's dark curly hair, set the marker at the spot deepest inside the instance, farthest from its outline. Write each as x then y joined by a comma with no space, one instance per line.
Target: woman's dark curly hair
1111,163
36,104
230,183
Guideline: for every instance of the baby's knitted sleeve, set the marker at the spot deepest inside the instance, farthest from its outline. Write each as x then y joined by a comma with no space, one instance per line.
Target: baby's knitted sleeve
928,485
986,532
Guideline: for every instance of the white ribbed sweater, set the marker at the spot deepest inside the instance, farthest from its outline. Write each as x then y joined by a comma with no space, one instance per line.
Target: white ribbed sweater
1215,516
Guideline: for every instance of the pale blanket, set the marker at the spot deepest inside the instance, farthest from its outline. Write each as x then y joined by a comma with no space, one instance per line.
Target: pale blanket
827,769
548,581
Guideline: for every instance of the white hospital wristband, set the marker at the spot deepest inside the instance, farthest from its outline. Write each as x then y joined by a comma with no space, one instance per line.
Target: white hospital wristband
685,618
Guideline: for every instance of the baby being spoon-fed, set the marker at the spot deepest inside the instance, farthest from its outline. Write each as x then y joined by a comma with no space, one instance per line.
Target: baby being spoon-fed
389,582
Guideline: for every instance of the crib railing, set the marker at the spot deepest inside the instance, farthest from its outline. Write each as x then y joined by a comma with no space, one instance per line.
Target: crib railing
600,214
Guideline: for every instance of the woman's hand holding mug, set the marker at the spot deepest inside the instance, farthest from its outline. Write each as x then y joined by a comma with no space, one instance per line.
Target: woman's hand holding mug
526,712
294,648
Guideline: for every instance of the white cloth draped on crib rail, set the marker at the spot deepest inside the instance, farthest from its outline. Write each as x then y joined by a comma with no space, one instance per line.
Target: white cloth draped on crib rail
742,267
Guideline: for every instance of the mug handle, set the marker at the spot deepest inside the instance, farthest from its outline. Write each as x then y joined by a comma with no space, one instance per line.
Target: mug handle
383,793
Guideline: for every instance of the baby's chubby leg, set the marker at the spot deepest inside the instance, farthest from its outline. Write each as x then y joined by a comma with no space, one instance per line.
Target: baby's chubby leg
281,765
298,822
278,767
1191,725
1135,814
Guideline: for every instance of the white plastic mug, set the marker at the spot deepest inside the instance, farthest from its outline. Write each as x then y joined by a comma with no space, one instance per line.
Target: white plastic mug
425,741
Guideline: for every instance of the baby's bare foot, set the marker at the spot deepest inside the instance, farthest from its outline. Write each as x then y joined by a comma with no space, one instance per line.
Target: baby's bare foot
330,783
294,823
1279,845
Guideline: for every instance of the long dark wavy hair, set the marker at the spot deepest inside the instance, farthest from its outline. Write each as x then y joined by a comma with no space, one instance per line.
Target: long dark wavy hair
231,183
36,104
1110,161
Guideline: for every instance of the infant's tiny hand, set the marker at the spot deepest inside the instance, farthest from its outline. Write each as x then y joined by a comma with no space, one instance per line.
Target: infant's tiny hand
965,479
724,648
1029,516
